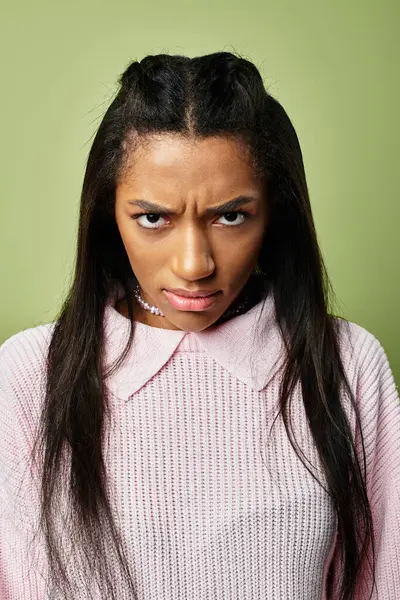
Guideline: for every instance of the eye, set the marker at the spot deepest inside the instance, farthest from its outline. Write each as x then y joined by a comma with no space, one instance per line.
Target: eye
149,225
151,220
244,216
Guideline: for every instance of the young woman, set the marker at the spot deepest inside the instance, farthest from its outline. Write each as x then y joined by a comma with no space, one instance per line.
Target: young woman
197,424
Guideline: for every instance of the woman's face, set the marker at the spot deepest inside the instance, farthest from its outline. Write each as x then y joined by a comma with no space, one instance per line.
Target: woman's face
193,245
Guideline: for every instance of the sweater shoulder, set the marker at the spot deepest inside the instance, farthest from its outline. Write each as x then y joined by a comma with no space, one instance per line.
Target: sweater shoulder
356,342
23,359
367,366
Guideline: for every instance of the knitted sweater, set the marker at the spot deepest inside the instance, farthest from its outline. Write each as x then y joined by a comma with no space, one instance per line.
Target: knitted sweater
212,501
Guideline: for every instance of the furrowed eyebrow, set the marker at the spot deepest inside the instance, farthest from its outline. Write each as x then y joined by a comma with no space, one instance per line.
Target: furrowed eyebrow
229,206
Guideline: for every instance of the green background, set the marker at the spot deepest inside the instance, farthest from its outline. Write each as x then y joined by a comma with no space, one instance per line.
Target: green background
333,66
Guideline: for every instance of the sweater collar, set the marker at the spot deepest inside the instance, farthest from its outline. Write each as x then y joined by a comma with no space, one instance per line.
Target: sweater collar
248,345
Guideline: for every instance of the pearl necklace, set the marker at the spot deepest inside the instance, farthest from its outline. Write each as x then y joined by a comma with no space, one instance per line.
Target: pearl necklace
143,304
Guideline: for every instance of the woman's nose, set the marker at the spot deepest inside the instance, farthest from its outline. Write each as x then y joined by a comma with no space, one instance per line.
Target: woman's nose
192,257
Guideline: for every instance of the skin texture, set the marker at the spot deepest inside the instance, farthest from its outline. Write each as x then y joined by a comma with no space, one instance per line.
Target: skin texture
189,250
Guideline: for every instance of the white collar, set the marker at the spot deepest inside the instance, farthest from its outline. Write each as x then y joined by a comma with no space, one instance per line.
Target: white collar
249,346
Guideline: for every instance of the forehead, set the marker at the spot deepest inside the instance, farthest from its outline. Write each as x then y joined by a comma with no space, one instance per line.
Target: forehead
170,160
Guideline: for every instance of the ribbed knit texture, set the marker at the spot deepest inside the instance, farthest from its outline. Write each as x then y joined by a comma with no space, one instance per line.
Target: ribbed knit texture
212,503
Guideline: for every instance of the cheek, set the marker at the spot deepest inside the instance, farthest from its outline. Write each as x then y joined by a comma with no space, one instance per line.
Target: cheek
237,264
245,253
144,258
132,248
250,248
128,242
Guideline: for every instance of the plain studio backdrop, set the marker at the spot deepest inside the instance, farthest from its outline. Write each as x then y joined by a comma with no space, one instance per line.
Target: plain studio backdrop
333,65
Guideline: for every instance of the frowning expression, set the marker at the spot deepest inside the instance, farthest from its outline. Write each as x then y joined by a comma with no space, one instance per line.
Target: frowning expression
192,215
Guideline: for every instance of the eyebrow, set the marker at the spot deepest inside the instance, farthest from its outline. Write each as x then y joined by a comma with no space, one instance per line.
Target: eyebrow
230,205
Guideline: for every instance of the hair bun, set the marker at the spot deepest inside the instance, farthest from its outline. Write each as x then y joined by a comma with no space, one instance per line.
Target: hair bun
131,74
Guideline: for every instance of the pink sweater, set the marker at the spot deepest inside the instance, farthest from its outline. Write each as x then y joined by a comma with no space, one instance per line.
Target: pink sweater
212,503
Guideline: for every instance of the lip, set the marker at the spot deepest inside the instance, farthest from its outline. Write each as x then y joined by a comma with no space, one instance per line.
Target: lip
196,294
190,303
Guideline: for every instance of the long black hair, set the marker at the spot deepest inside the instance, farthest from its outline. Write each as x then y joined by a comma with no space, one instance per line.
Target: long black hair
217,94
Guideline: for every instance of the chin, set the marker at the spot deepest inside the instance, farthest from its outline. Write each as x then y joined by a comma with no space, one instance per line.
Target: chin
197,325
